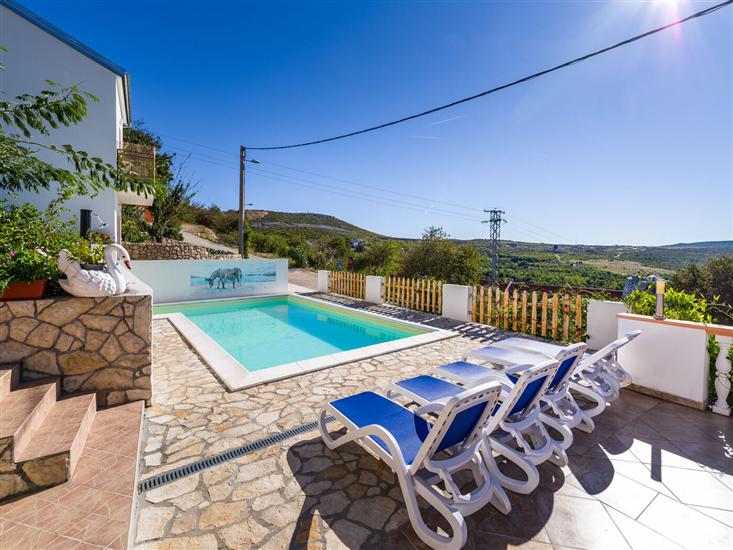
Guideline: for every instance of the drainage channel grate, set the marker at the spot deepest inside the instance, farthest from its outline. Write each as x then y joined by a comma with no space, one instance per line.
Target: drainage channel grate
210,462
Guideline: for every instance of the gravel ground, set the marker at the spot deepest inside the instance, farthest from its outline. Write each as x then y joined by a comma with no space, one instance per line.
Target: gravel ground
303,277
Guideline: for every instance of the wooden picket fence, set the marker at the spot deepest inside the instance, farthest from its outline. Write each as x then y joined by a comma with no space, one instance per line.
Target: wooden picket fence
559,316
418,294
347,283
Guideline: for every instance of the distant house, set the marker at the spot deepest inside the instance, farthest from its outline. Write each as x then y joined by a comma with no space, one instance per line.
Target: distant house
38,51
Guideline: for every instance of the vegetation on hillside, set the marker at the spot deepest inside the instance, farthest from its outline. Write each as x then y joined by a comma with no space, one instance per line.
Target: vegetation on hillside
713,281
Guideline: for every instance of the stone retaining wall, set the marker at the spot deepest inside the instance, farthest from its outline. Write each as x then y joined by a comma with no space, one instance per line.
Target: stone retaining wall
172,250
93,344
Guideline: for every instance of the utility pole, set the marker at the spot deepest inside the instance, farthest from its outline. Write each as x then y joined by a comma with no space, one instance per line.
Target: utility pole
242,204
494,221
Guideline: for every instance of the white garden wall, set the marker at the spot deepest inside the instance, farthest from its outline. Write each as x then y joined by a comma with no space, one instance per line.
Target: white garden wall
187,280
324,277
457,302
374,289
668,359
602,325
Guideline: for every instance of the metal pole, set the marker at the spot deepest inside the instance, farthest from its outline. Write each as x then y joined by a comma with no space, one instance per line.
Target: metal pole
242,156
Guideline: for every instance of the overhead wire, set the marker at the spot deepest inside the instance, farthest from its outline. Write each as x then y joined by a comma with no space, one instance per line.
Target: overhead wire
495,89
216,161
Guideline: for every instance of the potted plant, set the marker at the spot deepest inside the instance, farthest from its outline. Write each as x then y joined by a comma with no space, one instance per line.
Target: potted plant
31,241
23,274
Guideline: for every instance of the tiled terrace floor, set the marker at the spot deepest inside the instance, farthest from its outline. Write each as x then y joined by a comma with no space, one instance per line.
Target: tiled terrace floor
652,475
92,510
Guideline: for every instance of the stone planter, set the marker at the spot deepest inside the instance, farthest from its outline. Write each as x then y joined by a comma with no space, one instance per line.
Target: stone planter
91,344
23,290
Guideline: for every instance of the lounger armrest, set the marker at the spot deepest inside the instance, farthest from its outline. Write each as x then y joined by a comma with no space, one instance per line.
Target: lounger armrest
516,369
432,407
366,431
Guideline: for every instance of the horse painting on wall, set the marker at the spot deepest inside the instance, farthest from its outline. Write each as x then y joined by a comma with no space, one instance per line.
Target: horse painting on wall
231,277
221,276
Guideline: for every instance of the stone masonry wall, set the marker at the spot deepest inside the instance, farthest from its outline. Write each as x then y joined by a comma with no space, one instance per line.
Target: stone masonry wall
93,344
172,250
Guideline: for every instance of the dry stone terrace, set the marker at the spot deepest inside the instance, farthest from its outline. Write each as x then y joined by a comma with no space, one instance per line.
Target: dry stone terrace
652,475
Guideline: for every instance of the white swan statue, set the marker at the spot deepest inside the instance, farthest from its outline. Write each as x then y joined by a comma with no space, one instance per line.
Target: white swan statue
93,282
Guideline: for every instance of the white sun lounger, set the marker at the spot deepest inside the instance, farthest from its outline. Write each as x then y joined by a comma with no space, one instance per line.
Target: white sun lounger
424,455
515,423
598,375
560,411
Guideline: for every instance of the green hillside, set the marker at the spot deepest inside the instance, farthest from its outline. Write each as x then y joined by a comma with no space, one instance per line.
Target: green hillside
307,224
315,239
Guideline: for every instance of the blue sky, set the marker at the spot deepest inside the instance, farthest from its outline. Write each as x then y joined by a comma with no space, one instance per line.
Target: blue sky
634,147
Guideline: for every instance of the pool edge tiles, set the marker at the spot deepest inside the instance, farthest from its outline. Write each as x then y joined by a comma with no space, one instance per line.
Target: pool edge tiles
235,375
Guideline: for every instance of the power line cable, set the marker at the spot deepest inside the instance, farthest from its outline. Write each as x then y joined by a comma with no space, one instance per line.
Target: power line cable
224,164
522,80
260,170
357,195
350,194
375,201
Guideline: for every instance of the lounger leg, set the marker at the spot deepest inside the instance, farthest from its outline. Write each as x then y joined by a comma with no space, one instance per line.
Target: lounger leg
566,433
593,396
428,536
454,518
513,484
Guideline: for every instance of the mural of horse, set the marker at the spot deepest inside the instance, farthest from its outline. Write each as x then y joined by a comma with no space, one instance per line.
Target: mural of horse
221,276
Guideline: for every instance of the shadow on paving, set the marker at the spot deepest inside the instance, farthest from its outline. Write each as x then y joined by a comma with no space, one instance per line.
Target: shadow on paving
473,331
357,498
655,462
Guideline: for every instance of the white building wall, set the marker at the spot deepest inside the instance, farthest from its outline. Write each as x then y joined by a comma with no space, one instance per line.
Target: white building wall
602,323
35,56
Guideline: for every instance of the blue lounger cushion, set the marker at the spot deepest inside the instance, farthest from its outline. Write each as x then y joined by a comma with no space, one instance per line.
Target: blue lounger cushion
477,373
429,387
467,371
367,408
433,389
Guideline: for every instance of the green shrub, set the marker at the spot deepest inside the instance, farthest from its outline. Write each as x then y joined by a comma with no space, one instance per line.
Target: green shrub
678,304
438,257
380,258
31,242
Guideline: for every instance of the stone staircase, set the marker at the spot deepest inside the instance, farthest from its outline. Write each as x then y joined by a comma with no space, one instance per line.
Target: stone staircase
41,435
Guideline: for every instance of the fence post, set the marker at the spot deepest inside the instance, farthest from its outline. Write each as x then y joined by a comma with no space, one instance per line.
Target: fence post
374,289
457,302
323,280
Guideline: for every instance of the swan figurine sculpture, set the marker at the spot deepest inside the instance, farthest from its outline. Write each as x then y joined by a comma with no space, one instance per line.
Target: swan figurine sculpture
93,282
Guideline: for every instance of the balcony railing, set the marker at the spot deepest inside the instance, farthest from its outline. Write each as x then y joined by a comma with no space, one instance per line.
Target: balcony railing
137,159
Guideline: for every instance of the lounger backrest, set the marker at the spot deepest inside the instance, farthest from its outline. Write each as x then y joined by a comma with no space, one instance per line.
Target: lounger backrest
568,359
529,387
461,420
610,349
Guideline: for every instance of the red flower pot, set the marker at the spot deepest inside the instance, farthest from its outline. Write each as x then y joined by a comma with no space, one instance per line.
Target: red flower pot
23,290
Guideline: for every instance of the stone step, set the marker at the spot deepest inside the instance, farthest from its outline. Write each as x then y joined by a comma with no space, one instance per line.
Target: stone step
8,378
53,451
24,409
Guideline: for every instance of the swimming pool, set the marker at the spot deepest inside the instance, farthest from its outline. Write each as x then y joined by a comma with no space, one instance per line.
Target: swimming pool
261,339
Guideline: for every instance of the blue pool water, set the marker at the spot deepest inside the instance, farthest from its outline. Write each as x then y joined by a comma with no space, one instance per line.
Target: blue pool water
264,332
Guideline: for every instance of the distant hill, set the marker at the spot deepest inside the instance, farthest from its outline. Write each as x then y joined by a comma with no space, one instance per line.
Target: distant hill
703,244
307,223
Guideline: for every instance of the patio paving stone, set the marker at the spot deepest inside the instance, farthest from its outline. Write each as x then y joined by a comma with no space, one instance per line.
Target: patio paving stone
621,488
